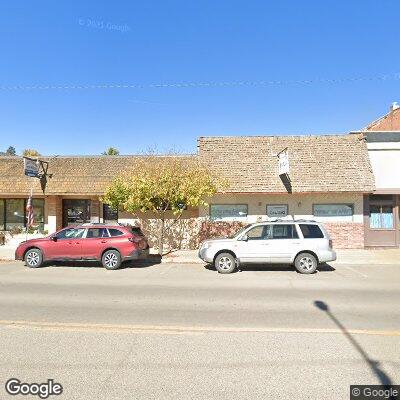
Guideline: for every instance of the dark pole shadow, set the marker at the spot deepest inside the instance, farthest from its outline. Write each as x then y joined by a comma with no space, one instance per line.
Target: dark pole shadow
374,365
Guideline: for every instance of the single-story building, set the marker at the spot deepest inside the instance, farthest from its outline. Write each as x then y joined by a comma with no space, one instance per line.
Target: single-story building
347,181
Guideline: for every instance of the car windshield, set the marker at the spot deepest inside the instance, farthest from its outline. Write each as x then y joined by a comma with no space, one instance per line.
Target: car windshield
239,232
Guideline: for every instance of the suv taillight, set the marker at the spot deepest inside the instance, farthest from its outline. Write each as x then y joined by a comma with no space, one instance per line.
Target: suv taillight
330,244
134,239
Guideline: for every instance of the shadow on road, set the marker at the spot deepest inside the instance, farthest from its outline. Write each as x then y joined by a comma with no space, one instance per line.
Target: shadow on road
384,379
153,260
272,268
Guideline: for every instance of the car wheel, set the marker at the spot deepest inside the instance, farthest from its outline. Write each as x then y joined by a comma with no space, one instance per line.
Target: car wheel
306,263
111,259
225,263
33,258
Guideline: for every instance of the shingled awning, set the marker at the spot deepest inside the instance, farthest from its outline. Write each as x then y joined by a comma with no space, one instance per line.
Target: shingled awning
71,175
326,163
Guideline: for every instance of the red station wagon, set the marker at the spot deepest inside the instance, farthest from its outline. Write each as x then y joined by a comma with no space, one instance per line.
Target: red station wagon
110,244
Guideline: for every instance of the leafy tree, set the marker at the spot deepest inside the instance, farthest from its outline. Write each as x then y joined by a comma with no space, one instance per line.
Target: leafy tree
30,153
158,185
111,151
11,151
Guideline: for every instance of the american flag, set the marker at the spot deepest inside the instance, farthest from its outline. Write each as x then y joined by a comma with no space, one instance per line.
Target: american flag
29,212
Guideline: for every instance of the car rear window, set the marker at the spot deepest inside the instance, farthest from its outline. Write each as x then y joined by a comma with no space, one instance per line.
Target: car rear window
115,232
311,231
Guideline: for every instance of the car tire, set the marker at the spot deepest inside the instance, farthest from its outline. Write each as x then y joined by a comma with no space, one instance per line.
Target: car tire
306,263
33,258
225,263
111,259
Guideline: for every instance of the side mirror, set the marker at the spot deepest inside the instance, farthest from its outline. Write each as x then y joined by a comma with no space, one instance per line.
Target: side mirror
54,238
245,238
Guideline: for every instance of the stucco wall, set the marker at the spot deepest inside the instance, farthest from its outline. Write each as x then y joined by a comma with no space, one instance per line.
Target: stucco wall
300,205
385,162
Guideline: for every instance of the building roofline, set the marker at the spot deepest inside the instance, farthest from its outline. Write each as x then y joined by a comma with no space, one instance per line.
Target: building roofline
102,156
272,136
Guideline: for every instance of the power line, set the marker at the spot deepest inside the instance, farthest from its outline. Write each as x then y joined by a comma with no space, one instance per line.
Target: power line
395,76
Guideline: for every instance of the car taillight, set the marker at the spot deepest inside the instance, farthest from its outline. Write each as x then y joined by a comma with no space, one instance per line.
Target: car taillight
330,244
134,239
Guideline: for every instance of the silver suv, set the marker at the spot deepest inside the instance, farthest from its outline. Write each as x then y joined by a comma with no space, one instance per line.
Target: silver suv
304,244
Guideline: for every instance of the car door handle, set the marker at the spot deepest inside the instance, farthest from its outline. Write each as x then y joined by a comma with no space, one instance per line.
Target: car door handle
104,241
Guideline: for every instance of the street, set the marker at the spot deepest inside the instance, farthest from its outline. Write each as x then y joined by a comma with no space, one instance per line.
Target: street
183,331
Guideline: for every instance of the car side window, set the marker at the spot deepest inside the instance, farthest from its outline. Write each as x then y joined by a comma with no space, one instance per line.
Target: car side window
310,231
256,233
94,233
284,232
115,232
70,233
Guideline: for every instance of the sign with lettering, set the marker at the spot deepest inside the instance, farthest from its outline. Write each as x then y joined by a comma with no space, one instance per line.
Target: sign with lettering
277,210
31,167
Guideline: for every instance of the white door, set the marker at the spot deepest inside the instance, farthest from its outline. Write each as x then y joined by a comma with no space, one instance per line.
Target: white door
284,243
255,248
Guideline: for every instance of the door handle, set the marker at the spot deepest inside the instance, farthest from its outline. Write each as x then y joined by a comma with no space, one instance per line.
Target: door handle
104,241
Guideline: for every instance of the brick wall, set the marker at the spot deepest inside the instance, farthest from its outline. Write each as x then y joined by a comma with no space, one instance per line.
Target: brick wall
346,235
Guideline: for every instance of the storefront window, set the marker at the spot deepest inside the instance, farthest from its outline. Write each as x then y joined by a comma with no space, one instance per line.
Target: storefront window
381,216
38,213
228,211
333,210
109,214
76,212
15,214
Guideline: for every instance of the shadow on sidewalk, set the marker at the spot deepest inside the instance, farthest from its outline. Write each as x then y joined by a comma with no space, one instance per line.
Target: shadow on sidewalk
374,365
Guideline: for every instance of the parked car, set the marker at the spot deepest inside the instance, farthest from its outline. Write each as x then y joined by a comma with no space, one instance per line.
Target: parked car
110,244
305,244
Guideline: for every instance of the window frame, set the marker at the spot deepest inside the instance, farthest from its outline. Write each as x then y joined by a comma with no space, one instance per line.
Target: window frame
227,204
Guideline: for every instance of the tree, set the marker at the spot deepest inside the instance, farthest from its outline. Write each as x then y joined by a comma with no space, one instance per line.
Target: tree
11,151
30,153
162,184
112,151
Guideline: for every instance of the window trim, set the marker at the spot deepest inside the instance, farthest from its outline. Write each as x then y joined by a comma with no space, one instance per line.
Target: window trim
351,205
228,204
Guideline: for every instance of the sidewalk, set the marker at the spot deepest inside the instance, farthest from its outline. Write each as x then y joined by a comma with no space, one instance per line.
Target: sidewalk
344,256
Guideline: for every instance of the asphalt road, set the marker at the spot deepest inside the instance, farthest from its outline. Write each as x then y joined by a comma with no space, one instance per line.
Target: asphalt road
173,331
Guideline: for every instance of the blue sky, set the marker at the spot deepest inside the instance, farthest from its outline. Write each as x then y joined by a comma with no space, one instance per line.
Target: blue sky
74,43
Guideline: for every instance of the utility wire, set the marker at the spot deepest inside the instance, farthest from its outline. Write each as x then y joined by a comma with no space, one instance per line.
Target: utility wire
395,76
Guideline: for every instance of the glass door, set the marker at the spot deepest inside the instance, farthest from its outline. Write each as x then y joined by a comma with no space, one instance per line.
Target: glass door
76,212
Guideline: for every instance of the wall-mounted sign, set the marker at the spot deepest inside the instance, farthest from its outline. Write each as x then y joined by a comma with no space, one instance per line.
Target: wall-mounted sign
283,162
277,210
31,167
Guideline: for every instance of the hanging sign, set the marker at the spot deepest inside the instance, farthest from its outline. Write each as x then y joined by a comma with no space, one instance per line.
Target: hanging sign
283,162
31,167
